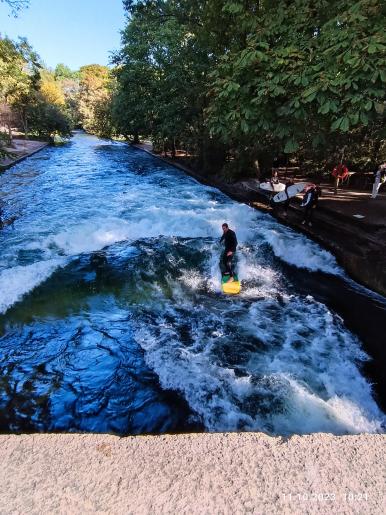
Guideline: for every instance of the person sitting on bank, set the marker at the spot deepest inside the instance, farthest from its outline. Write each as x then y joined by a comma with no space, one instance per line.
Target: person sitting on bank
230,242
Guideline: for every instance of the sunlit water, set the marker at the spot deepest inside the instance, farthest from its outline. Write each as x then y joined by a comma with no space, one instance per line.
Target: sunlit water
113,318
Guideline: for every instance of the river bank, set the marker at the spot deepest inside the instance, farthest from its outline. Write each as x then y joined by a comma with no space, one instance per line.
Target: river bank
197,473
21,149
359,244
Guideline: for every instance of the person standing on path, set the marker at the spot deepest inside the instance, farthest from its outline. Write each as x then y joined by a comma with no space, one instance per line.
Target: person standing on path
340,173
309,203
274,180
289,182
379,179
230,240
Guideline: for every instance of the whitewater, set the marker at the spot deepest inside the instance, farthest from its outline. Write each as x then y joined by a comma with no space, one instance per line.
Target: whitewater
112,317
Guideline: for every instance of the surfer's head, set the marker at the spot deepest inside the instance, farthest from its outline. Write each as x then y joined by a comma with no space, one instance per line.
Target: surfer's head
225,227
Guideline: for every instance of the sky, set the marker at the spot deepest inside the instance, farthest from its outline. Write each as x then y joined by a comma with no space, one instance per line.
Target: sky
73,32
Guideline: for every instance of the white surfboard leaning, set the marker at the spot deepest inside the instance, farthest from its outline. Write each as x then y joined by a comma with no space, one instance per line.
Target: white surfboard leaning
267,186
292,191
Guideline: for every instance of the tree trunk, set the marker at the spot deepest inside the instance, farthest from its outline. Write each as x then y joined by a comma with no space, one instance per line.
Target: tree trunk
24,121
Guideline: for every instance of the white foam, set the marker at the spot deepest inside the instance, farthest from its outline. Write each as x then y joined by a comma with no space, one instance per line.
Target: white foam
192,278
308,413
307,367
295,249
203,383
90,236
17,281
257,280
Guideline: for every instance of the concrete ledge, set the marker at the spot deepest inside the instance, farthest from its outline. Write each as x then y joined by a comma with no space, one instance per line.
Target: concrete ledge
196,473
24,149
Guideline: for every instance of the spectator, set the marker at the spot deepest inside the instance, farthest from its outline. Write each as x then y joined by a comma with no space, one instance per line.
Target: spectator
379,179
310,201
289,182
340,173
274,179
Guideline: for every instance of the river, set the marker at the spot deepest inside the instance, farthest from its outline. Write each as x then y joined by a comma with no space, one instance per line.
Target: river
112,318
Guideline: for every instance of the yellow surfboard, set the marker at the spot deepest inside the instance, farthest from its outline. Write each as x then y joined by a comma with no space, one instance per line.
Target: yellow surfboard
231,288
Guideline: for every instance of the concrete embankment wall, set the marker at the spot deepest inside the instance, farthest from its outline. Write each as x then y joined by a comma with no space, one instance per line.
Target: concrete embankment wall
196,473
23,149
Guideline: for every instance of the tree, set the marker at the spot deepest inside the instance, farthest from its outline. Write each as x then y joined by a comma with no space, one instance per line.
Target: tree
46,119
69,83
20,72
308,74
64,72
50,89
96,83
19,69
31,91
16,5
162,73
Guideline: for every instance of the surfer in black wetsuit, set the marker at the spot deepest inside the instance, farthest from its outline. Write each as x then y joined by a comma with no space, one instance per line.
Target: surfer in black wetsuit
230,242
309,203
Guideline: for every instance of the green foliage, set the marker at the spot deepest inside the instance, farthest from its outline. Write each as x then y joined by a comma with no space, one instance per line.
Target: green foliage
16,5
64,72
94,99
308,74
265,78
19,70
69,83
31,91
47,119
162,73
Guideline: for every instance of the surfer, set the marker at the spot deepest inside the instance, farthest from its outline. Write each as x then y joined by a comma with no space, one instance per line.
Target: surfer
230,242
309,203
379,179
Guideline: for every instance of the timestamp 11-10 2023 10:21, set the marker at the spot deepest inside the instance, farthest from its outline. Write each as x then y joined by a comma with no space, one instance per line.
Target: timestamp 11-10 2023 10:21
325,497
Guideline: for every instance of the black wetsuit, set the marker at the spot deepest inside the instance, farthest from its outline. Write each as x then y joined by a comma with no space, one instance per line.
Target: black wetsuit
230,241
310,201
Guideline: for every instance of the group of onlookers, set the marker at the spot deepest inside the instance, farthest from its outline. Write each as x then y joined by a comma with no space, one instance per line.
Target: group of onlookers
313,191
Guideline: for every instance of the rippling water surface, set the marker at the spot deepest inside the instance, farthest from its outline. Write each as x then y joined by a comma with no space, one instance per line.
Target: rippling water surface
112,318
